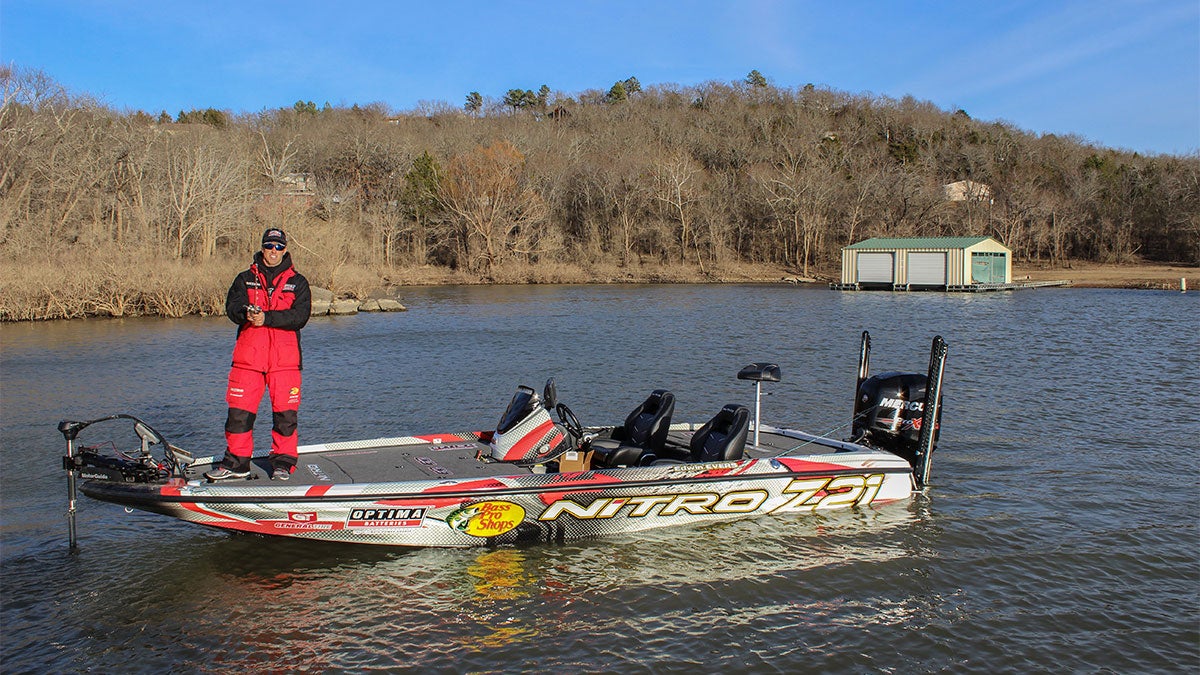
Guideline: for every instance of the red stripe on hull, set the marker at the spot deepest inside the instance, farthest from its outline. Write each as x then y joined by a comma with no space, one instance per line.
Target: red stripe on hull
804,466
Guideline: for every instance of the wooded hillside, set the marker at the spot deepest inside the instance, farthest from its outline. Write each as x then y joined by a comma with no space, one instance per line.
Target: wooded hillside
143,210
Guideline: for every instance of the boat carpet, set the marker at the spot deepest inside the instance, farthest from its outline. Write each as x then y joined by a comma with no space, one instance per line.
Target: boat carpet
386,464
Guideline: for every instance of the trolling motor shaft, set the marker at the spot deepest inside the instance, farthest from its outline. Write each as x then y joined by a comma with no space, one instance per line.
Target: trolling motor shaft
69,431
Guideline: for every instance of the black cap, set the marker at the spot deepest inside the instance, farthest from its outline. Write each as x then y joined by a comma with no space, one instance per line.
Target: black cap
276,235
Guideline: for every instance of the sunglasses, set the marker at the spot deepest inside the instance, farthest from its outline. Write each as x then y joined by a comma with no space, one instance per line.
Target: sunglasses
274,247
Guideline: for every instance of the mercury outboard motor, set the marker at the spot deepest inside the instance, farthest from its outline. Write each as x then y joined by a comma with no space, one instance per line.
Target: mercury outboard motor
901,412
889,411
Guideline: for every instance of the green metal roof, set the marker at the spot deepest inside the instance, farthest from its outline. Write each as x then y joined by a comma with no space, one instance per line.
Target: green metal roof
918,242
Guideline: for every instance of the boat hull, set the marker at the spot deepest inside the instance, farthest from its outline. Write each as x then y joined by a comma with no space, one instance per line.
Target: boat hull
526,507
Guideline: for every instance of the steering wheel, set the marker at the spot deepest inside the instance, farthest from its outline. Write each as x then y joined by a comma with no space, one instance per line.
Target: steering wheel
569,420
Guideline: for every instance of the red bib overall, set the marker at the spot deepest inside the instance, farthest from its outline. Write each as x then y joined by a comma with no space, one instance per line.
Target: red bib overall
265,357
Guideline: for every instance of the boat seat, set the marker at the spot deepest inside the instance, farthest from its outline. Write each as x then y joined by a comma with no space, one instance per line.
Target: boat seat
721,439
643,435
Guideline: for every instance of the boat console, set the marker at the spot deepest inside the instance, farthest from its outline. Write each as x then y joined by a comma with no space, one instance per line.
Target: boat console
526,434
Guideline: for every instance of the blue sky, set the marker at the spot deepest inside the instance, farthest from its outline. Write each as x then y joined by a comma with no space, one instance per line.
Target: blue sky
1118,73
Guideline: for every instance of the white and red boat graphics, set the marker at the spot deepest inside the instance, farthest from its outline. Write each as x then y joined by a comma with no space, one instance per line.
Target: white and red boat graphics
535,479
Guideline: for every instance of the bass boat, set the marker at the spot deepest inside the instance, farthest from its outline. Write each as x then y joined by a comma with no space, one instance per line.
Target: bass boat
536,479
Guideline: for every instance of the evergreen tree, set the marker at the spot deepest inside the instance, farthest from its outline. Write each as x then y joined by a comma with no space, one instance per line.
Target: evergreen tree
514,98
214,118
474,103
617,94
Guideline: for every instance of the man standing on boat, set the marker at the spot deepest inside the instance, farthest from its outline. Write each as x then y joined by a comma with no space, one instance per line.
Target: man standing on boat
270,303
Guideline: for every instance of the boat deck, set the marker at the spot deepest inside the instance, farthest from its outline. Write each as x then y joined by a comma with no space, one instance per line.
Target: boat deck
407,461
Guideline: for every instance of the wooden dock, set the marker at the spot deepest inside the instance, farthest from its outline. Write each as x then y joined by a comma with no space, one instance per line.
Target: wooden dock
956,288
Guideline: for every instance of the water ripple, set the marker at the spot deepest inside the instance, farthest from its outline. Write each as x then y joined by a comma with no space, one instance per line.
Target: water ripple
1059,535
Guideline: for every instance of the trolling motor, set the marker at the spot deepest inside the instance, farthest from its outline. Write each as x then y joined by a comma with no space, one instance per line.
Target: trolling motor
90,463
901,412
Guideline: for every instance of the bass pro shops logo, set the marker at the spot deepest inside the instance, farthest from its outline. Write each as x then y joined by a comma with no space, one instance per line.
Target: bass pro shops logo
486,519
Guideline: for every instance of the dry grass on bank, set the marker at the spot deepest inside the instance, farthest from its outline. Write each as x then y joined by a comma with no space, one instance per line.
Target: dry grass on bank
1096,275
122,285
71,288
601,273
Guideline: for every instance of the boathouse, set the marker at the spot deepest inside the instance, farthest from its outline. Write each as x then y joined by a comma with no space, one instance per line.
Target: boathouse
925,263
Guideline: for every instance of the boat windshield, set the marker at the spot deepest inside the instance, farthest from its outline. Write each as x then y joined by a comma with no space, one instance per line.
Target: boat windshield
523,402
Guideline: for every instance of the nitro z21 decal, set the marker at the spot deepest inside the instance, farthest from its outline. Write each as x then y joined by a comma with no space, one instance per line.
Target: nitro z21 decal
742,501
829,493
806,494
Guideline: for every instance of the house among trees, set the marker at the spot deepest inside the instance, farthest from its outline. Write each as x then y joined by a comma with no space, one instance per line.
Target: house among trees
296,183
925,263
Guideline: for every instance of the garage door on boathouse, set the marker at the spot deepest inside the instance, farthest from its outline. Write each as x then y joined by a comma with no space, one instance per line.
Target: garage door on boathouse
876,268
988,267
928,263
926,269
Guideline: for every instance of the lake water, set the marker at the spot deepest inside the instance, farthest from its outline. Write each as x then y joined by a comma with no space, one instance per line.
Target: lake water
1061,532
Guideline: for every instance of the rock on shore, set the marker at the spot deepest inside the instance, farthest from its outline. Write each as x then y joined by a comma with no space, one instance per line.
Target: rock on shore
323,302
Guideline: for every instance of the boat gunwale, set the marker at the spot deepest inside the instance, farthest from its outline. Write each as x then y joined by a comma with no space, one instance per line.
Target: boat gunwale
146,493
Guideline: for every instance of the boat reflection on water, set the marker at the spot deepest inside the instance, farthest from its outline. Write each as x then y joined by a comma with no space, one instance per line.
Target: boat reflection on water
518,594
249,602
498,579
500,575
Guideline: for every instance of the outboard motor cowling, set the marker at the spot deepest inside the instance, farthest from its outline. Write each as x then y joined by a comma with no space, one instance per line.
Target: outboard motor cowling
525,433
888,413
901,412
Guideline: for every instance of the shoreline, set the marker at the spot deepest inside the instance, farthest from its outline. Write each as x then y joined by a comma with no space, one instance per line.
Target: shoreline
1081,274
1078,274
1144,276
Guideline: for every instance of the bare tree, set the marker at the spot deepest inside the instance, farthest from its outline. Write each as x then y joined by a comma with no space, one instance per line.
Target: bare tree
676,187
207,191
276,164
684,174
483,190
801,193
